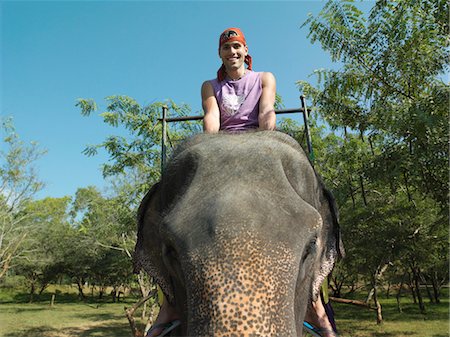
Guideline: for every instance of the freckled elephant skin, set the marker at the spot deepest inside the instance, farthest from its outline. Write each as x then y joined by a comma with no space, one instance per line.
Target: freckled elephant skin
239,234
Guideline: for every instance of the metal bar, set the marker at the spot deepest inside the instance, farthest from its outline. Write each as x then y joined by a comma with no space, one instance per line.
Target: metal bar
166,120
307,132
163,138
195,118
289,111
182,119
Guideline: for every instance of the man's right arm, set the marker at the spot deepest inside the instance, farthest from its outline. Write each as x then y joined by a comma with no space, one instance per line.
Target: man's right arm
211,120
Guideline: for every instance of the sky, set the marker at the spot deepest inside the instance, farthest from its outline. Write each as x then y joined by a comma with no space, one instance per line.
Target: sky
54,52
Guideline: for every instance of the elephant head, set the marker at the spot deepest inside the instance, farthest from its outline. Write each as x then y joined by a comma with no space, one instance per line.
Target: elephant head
239,233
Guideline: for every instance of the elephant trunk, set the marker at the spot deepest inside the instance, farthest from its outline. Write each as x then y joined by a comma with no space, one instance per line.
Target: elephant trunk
242,286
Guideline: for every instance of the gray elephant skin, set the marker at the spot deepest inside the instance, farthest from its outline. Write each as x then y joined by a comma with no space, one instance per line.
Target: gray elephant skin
239,234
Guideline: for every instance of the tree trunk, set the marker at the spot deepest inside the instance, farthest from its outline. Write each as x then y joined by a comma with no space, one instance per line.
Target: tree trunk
388,290
354,302
369,295
5,265
43,287
378,305
144,311
80,289
411,288
397,297
32,291
408,193
371,145
101,292
114,295
436,287
376,276
417,288
424,281
144,291
363,191
399,307
351,192
336,284
129,313
150,320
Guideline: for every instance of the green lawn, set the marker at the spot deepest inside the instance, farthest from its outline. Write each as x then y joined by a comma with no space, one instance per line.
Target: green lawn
70,317
354,321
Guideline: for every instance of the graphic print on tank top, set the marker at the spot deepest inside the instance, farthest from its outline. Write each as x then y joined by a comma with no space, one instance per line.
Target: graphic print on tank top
231,103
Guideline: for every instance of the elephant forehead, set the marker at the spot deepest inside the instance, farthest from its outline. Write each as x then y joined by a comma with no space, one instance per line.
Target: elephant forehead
267,161
236,209
243,285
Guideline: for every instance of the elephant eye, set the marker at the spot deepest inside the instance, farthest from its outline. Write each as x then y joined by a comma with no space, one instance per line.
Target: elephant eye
310,248
306,261
169,252
171,261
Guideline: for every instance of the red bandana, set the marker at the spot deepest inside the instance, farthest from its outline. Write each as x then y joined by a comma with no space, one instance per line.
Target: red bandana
230,35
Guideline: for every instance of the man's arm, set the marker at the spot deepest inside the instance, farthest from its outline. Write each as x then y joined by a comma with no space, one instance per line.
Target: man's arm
211,120
267,117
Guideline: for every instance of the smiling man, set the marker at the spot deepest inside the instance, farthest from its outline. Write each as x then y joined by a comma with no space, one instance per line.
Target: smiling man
239,99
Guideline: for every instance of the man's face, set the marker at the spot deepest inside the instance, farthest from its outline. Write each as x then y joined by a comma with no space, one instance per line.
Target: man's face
233,54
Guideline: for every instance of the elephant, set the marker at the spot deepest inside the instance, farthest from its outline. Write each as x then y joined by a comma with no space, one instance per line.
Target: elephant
239,233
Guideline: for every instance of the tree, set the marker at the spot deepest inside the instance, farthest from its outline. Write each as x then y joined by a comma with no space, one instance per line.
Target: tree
390,174
18,184
105,222
389,88
138,153
51,234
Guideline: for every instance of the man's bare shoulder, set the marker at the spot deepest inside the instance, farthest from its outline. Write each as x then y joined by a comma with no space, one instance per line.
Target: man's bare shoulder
207,87
206,84
267,78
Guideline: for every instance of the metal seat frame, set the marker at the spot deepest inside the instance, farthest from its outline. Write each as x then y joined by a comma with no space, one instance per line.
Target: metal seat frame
165,127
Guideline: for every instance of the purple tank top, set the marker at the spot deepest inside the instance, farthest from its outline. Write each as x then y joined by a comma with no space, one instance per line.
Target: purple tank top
239,101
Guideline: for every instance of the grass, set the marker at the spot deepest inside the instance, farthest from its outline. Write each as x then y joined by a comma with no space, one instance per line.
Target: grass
71,317
68,317
355,321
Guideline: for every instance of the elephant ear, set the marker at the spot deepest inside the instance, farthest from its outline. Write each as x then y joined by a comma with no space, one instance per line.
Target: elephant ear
148,250
330,214
332,241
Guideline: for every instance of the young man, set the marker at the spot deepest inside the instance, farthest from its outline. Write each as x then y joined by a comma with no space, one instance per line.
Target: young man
238,100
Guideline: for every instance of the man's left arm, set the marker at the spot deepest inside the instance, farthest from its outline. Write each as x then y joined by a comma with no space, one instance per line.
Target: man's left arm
267,117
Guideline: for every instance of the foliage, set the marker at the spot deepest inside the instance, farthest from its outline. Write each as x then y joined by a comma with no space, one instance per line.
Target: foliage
389,167
139,151
105,227
46,247
389,89
18,184
87,239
